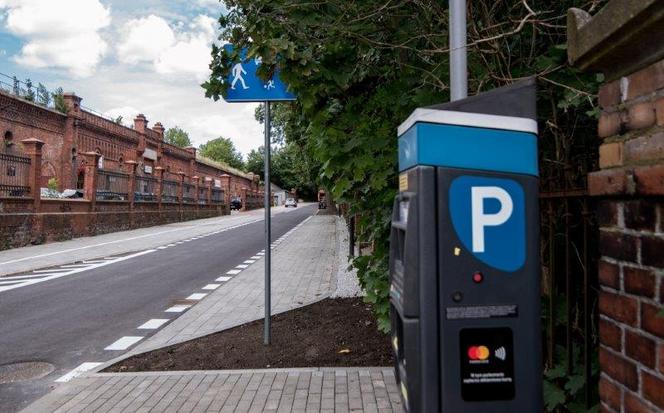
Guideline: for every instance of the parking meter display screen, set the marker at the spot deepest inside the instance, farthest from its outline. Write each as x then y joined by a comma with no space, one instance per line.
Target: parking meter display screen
487,364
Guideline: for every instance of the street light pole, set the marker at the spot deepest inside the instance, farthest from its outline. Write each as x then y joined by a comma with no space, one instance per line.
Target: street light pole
458,51
268,251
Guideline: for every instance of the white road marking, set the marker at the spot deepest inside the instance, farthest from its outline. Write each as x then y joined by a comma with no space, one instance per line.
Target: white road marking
177,308
249,261
223,279
3,282
52,270
153,323
22,277
170,245
104,243
211,286
234,272
124,343
82,368
161,248
52,276
76,265
256,257
242,266
196,296
260,253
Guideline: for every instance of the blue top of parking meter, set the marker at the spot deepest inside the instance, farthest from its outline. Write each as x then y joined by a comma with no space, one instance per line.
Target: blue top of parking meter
468,140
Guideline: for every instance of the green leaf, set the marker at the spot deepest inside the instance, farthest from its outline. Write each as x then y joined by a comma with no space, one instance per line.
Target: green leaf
553,396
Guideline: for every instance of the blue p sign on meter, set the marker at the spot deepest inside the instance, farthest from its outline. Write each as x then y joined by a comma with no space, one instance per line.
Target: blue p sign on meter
495,229
464,257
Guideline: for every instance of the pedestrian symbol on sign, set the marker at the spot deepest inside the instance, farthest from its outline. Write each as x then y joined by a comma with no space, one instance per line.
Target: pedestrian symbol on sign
237,72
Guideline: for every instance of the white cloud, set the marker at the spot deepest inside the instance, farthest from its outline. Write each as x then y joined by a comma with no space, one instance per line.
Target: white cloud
182,50
122,91
128,113
62,34
144,39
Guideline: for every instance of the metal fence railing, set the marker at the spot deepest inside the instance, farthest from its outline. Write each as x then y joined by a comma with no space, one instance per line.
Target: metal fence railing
14,176
146,189
169,191
112,185
202,195
217,195
188,193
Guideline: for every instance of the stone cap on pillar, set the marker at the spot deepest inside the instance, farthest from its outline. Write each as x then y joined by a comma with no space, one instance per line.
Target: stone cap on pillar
621,38
159,128
72,102
32,146
140,123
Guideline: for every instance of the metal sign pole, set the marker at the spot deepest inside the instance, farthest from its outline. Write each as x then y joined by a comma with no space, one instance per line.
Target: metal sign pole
458,51
268,251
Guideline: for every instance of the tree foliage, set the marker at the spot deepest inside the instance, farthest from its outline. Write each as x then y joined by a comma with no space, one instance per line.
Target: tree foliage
359,68
178,137
222,150
59,100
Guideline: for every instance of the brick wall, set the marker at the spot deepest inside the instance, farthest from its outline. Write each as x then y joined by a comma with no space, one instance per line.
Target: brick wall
631,220
623,41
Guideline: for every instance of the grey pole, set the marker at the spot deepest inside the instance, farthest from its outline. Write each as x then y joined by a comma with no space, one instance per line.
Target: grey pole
458,51
268,292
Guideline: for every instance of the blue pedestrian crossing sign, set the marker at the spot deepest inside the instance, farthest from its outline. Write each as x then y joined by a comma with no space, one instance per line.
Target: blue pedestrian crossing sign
246,86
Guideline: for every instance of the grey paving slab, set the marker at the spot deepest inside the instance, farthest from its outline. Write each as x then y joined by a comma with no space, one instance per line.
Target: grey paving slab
269,390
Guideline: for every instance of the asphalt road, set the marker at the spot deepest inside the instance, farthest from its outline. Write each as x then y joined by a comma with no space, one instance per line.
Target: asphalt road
70,320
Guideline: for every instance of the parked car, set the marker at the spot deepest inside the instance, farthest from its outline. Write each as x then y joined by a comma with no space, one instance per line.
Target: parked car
236,203
291,202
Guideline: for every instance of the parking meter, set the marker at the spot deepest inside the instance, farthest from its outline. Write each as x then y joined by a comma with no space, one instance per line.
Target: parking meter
464,256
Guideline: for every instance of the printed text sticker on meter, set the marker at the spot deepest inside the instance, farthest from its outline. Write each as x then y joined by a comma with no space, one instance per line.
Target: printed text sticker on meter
488,215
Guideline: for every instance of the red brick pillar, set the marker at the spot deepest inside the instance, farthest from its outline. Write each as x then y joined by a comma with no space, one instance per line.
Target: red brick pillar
159,174
196,185
90,183
181,189
226,186
630,190
33,148
244,199
131,191
209,182
67,176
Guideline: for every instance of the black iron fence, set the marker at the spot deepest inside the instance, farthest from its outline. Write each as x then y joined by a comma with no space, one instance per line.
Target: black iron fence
202,194
146,189
217,195
188,193
169,191
570,292
112,185
14,176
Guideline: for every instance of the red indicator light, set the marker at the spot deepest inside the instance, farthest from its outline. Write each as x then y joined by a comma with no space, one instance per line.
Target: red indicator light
478,277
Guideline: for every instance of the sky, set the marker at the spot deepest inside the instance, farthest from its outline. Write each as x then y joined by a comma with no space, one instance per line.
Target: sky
126,57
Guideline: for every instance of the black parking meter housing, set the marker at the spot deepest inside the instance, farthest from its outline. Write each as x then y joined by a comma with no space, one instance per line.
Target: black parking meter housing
464,256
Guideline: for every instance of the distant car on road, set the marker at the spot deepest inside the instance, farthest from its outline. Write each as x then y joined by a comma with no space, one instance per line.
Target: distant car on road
291,202
236,203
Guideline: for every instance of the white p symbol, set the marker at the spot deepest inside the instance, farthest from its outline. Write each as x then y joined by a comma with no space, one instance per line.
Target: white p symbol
480,219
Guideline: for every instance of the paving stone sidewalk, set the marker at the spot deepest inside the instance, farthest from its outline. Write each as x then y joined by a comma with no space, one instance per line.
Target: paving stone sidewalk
304,267
240,391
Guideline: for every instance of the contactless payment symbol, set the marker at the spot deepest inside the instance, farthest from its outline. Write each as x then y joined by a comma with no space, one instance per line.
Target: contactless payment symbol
488,215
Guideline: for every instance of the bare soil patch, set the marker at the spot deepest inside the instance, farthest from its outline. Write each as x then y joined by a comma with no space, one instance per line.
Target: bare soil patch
338,332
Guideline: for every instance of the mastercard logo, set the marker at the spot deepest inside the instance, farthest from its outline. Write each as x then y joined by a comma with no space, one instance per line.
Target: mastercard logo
478,353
